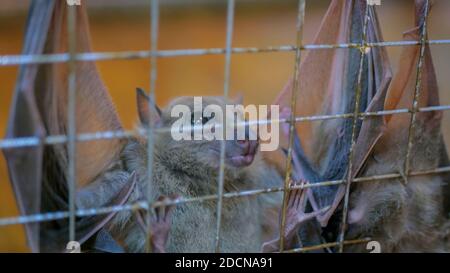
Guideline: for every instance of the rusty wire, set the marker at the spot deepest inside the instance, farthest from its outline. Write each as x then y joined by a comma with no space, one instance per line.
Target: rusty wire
349,179
42,217
287,178
71,138
9,60
328,245
415,104
107,135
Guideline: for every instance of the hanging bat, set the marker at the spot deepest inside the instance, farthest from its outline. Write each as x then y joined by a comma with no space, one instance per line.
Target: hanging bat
327,81
405,215
399,215
39,108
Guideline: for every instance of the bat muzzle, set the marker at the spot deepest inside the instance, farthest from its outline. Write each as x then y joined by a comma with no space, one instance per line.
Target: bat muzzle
245,153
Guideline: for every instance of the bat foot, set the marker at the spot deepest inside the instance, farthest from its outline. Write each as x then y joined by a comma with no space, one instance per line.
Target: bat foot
296,206
160,224
295,217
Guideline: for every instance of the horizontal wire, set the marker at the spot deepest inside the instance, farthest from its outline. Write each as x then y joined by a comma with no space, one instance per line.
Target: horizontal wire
42,217
326,245
20,142
9,60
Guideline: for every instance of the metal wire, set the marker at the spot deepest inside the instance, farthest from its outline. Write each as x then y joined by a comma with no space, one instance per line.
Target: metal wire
42,217
415,104
287,178
107,135
328,245
226,88
154,27
71,118
9,60
72,138
362,56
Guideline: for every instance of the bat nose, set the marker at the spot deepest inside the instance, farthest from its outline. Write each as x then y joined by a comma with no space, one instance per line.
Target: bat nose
248,146
244,144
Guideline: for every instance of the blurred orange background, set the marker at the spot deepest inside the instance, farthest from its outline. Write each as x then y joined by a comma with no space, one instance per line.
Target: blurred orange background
199,24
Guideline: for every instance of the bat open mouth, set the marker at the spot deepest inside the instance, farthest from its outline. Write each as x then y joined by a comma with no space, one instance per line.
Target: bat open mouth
246,155
241,160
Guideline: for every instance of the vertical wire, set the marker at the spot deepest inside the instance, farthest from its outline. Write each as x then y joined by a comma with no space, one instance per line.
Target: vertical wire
71,117
226,87
154,21
299,28
415,106
362,49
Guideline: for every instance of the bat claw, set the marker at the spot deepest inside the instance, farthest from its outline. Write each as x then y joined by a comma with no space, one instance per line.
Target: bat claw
297,205
295,216
161,222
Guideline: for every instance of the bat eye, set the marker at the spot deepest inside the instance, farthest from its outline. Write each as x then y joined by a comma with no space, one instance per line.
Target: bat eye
206,119
196,120
200,120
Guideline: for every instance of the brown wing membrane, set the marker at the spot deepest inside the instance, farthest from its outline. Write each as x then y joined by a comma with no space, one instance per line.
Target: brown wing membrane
95,110
401,92
327,84
40,108
25,164
317,70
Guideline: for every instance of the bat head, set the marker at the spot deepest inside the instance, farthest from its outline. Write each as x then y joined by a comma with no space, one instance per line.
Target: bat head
195,128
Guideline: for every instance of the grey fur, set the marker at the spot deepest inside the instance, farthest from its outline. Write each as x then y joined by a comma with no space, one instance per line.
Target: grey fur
404,216
189,169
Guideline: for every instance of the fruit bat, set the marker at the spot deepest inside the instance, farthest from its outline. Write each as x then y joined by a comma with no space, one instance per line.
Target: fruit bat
396,214
39,108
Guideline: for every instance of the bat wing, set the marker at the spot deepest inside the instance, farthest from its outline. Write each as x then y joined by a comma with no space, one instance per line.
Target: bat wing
317,69
401,95
401,92
95,110
327,81
39,173
25,164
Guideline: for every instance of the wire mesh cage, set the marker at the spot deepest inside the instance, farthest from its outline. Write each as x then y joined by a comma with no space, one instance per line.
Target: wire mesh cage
153,54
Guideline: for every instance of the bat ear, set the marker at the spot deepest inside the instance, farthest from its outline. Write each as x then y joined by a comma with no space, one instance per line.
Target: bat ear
147,109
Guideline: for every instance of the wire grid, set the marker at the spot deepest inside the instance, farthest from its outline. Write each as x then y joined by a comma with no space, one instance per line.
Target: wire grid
71,138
